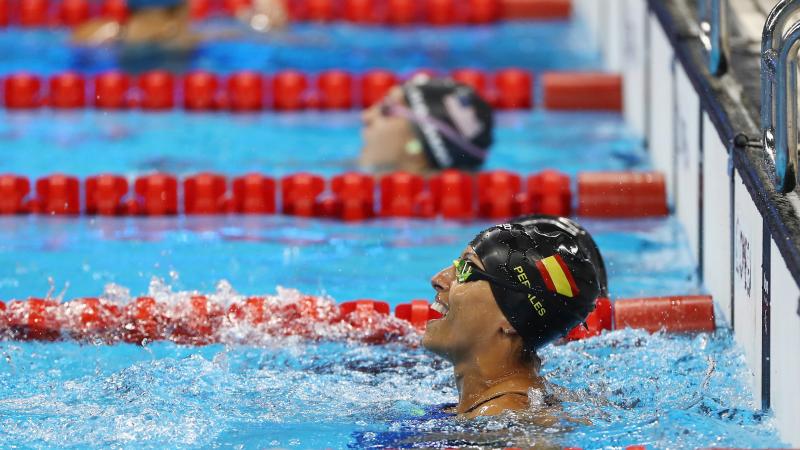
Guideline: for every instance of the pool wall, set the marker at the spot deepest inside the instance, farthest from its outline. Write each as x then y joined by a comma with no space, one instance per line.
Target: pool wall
742,233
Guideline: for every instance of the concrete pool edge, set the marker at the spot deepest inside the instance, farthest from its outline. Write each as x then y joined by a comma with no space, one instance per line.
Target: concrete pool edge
742,233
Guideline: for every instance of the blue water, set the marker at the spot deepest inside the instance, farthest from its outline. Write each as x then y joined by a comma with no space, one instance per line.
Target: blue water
89,142
661,391
664,391
386,260
539,46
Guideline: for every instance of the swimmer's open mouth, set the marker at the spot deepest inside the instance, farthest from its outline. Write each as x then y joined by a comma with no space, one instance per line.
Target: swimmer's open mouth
440,307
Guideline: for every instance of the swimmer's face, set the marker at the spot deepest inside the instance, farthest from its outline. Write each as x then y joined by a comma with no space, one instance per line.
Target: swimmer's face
385,137
472,316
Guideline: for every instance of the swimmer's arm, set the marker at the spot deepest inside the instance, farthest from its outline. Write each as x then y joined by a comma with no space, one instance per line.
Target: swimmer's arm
96,32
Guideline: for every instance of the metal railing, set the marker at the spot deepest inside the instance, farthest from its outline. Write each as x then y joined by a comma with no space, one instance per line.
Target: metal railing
779,54
713,16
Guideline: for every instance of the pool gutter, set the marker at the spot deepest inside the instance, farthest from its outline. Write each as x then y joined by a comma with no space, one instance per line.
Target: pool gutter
703,132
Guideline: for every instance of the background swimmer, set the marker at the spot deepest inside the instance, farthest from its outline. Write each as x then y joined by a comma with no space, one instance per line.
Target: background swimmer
167,23
513,290
427,124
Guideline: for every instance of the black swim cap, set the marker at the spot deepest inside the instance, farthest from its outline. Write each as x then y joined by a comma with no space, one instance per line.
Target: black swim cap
453,123
549,224
562,277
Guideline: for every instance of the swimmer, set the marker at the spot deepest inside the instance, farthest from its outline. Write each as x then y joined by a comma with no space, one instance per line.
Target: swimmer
167,23
514,289
427,124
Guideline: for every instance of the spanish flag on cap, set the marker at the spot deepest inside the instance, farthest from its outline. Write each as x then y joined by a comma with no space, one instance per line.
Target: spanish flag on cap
556,275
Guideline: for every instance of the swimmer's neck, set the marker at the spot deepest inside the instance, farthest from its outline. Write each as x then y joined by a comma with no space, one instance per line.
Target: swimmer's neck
479,379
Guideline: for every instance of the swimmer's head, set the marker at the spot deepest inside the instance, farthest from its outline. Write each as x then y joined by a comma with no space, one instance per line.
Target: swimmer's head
428,123
522,286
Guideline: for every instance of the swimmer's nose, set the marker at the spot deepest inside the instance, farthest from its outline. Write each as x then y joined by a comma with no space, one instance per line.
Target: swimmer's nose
441,281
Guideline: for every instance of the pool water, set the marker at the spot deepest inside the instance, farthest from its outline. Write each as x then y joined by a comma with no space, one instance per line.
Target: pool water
89,142
544,46
259,390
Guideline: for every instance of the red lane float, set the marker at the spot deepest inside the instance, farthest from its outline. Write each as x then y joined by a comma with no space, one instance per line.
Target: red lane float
364,306
199,326
204,193
320,10
365,12
200,91
600,319
354,194
13,192
35,319
473,78
67,91
115,10
90,319
300,194
289,90
550,192
156,195
572,91
335,89
418,313
245,91
73,12
441,12
37,13
22,91
200,9
235,7
453,194
403,12
514,89
536,9
58,194
500,195
111,90
622,194
33,13
693,313
197,320
4,13
105,193
144,320
400,194
484,11
157,90
253,194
